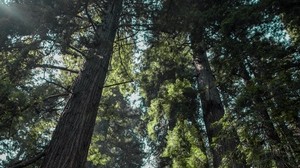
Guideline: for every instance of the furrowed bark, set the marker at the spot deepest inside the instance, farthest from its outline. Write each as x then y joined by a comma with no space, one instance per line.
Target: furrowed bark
71,139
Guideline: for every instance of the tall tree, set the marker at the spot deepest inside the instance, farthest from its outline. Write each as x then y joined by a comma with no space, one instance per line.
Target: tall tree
72,34
219,80
167,85
29,103
72,136
253,48
199,20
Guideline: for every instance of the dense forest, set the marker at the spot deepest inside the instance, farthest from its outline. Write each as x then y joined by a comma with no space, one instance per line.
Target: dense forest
150,83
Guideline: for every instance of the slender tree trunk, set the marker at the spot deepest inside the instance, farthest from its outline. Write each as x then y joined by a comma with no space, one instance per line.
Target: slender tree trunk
212,106
71,139
210,100
268,124
165,162
288,136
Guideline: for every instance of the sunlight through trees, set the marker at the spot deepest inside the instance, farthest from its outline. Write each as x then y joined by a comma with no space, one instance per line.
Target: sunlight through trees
149,83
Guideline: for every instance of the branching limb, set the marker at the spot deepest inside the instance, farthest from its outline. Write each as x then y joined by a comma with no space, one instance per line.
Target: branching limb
78,51
27,162
56,96
59,85
56,67
121,60
89,17
115,84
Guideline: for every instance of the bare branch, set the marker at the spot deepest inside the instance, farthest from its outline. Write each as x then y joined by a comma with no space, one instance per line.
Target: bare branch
121,60
89,17
121,83
59,85
56,95
55,67
44,99
27,162
78,51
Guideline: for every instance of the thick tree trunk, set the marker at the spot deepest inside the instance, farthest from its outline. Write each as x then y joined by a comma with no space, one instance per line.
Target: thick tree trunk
71,139
212,106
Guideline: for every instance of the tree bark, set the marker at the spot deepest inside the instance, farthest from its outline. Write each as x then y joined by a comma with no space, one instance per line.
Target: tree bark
269,128
71,139
212,106
209,95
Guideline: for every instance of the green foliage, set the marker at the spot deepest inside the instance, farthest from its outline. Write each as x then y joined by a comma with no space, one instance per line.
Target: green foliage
253,47
167,86
289,11
183,146
256,84
95,155
116,141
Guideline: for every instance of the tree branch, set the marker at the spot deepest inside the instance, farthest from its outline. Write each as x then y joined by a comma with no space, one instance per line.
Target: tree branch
56,95
55,67
27,162
59,85
121,83
89,17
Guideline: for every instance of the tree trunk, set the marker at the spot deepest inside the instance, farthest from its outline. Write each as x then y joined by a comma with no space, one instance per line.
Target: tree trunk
71,139
210,99
212,106
269,129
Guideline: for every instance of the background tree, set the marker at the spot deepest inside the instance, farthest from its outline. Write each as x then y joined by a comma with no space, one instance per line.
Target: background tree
219,82
257,50
198,21
167,84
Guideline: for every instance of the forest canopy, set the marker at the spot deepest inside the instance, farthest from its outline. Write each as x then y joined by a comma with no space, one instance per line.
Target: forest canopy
149,83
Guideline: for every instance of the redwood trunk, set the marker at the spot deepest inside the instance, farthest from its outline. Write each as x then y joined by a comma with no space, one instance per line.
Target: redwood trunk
210,100
71,139
268,125
212,106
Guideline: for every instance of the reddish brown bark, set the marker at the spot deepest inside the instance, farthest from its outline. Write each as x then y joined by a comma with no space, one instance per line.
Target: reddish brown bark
72,136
